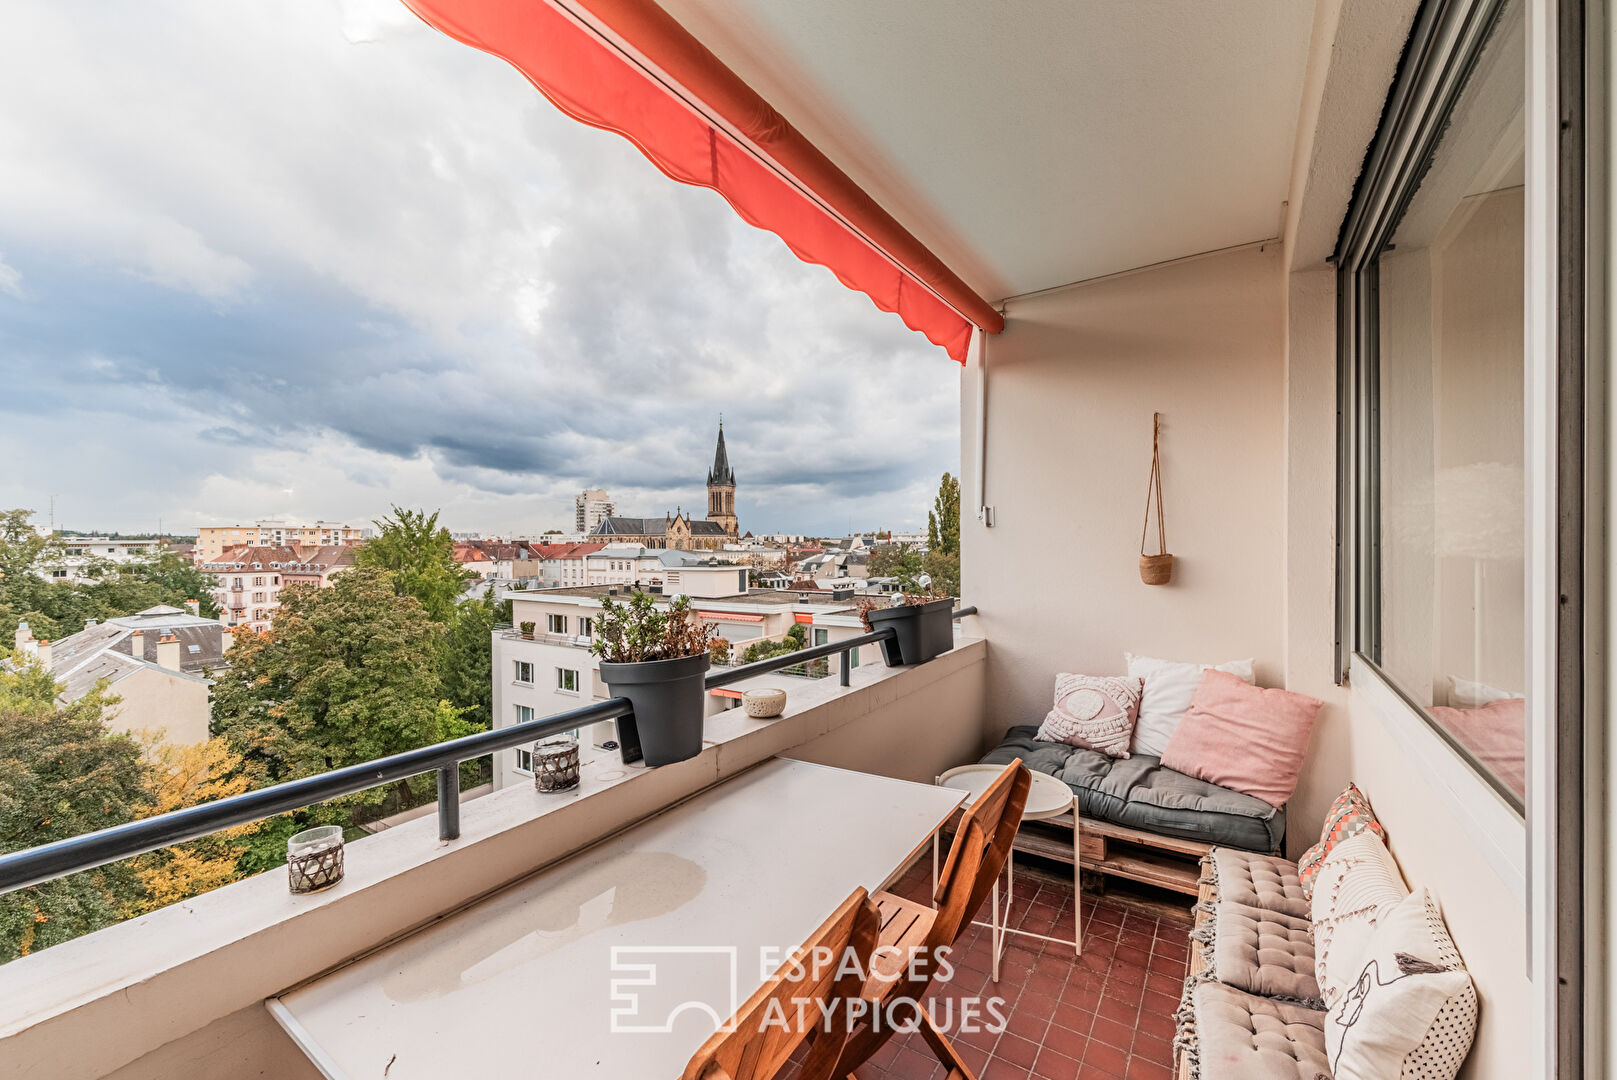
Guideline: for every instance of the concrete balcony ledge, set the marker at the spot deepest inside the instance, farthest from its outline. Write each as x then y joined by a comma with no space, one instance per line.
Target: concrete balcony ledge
178,992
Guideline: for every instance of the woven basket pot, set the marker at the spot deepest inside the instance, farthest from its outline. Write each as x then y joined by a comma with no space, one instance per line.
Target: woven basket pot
1156,569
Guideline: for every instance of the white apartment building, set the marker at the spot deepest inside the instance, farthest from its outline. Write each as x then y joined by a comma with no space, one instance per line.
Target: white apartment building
554,671
81,551
212,540
590,508
624,564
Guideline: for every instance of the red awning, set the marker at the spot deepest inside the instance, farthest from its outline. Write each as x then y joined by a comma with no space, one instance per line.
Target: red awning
627,66
728,616
802,617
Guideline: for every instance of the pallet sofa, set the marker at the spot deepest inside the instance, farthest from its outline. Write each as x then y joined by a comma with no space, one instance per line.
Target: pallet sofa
1141,821
1358,980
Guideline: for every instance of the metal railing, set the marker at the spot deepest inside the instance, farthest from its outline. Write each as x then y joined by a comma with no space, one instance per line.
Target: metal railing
35,865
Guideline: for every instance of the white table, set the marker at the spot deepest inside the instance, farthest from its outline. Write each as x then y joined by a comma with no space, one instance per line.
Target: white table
1046,798
523,984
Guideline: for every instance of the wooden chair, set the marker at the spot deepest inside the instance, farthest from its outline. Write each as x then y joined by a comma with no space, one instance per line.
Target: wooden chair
912,934
757,1045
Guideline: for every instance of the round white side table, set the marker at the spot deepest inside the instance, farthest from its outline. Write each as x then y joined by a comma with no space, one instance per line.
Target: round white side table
1047,798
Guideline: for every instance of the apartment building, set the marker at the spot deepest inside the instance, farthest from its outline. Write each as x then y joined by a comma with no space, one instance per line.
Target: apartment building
212,540
590,508
81,552
249,579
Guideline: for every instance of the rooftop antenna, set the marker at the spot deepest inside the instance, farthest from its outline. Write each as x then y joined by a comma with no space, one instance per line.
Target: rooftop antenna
53,513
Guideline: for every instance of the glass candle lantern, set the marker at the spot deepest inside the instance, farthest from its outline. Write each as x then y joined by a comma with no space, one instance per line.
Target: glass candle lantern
555,763
314,859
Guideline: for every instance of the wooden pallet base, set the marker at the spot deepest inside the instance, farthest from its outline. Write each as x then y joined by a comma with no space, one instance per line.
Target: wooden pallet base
1118,851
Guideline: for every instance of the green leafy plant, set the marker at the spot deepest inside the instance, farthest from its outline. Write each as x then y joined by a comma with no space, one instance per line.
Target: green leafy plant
636,631
526,628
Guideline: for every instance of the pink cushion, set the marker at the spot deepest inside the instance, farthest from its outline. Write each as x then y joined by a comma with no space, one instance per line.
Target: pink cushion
1247,738
1495,733
1094,711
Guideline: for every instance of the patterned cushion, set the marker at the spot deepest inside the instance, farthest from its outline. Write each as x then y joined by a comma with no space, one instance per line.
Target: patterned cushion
1356,887
1240,1036
1349,815
1261,881
1412,1010
1094,711
1264,953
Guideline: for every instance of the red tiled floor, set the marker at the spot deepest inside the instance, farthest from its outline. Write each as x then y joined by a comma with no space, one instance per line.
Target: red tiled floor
1105,1016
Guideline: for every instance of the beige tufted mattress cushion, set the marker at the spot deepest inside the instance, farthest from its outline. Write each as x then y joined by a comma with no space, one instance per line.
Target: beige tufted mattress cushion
1245,1037
1261,881
1264,953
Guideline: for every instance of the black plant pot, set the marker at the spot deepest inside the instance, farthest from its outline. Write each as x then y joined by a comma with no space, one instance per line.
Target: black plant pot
669,700
921,631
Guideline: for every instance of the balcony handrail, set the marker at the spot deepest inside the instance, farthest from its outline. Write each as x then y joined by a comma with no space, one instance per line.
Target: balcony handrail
33,866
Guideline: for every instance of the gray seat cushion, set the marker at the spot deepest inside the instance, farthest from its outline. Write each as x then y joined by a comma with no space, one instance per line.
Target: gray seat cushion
1261,881
1138,792
1239,1036
1264,953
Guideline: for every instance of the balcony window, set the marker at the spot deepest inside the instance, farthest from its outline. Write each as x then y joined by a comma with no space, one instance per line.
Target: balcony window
586,626
524,672
1437,352
567,680
556,624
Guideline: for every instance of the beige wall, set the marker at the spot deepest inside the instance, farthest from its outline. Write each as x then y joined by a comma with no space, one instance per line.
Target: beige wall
155,700
1073,382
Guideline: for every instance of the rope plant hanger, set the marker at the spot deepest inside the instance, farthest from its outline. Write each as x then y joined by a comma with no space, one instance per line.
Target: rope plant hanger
1155,569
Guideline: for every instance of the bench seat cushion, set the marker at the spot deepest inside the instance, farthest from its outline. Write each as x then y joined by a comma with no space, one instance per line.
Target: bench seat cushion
1261,881
1139,793
1240,1036
1261,952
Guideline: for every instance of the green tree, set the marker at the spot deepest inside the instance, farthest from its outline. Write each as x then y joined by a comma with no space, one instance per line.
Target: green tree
421,557
468,657
943,523
897,561
347,674
62,774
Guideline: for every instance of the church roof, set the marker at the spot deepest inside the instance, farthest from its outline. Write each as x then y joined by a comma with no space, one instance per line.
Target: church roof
721,472
631,526
703,527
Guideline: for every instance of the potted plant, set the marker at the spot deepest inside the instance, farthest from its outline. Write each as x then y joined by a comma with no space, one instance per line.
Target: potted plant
921,625
656,659
527,630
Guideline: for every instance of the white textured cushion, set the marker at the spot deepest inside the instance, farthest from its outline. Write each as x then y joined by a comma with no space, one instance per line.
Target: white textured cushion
1412,1011
1093,711
1357,884
1169,686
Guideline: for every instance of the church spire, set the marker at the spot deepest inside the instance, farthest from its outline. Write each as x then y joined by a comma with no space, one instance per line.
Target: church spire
721,473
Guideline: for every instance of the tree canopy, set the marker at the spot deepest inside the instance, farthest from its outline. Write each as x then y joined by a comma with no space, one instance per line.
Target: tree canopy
62,774
420,555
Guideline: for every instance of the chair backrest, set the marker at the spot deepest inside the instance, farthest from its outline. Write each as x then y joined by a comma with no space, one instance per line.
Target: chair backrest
809,995
981,845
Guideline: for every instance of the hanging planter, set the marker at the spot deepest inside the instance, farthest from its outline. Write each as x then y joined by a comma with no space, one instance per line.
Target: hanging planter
659,661
1155,569
922,628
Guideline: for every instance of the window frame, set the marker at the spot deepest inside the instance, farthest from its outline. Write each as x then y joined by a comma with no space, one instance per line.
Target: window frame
516,674
555,624
1443,50
561,680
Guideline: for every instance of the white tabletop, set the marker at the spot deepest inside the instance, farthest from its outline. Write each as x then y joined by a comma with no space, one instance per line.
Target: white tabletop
1046,798
522,984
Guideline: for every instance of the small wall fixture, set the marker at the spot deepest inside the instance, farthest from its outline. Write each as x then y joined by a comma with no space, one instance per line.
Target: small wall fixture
1155,569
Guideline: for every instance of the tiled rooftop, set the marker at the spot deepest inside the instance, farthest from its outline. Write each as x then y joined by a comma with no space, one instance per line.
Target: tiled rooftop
1108,1015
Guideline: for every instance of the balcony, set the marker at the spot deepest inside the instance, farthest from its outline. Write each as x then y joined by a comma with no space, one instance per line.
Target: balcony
180,992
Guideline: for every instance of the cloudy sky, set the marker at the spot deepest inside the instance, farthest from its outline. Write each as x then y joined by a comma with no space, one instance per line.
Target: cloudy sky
313,258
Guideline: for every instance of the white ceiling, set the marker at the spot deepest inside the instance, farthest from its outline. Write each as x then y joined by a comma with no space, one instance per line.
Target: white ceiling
1032,144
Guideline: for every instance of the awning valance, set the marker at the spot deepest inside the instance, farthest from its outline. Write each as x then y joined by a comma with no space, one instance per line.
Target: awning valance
627,66
728,616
